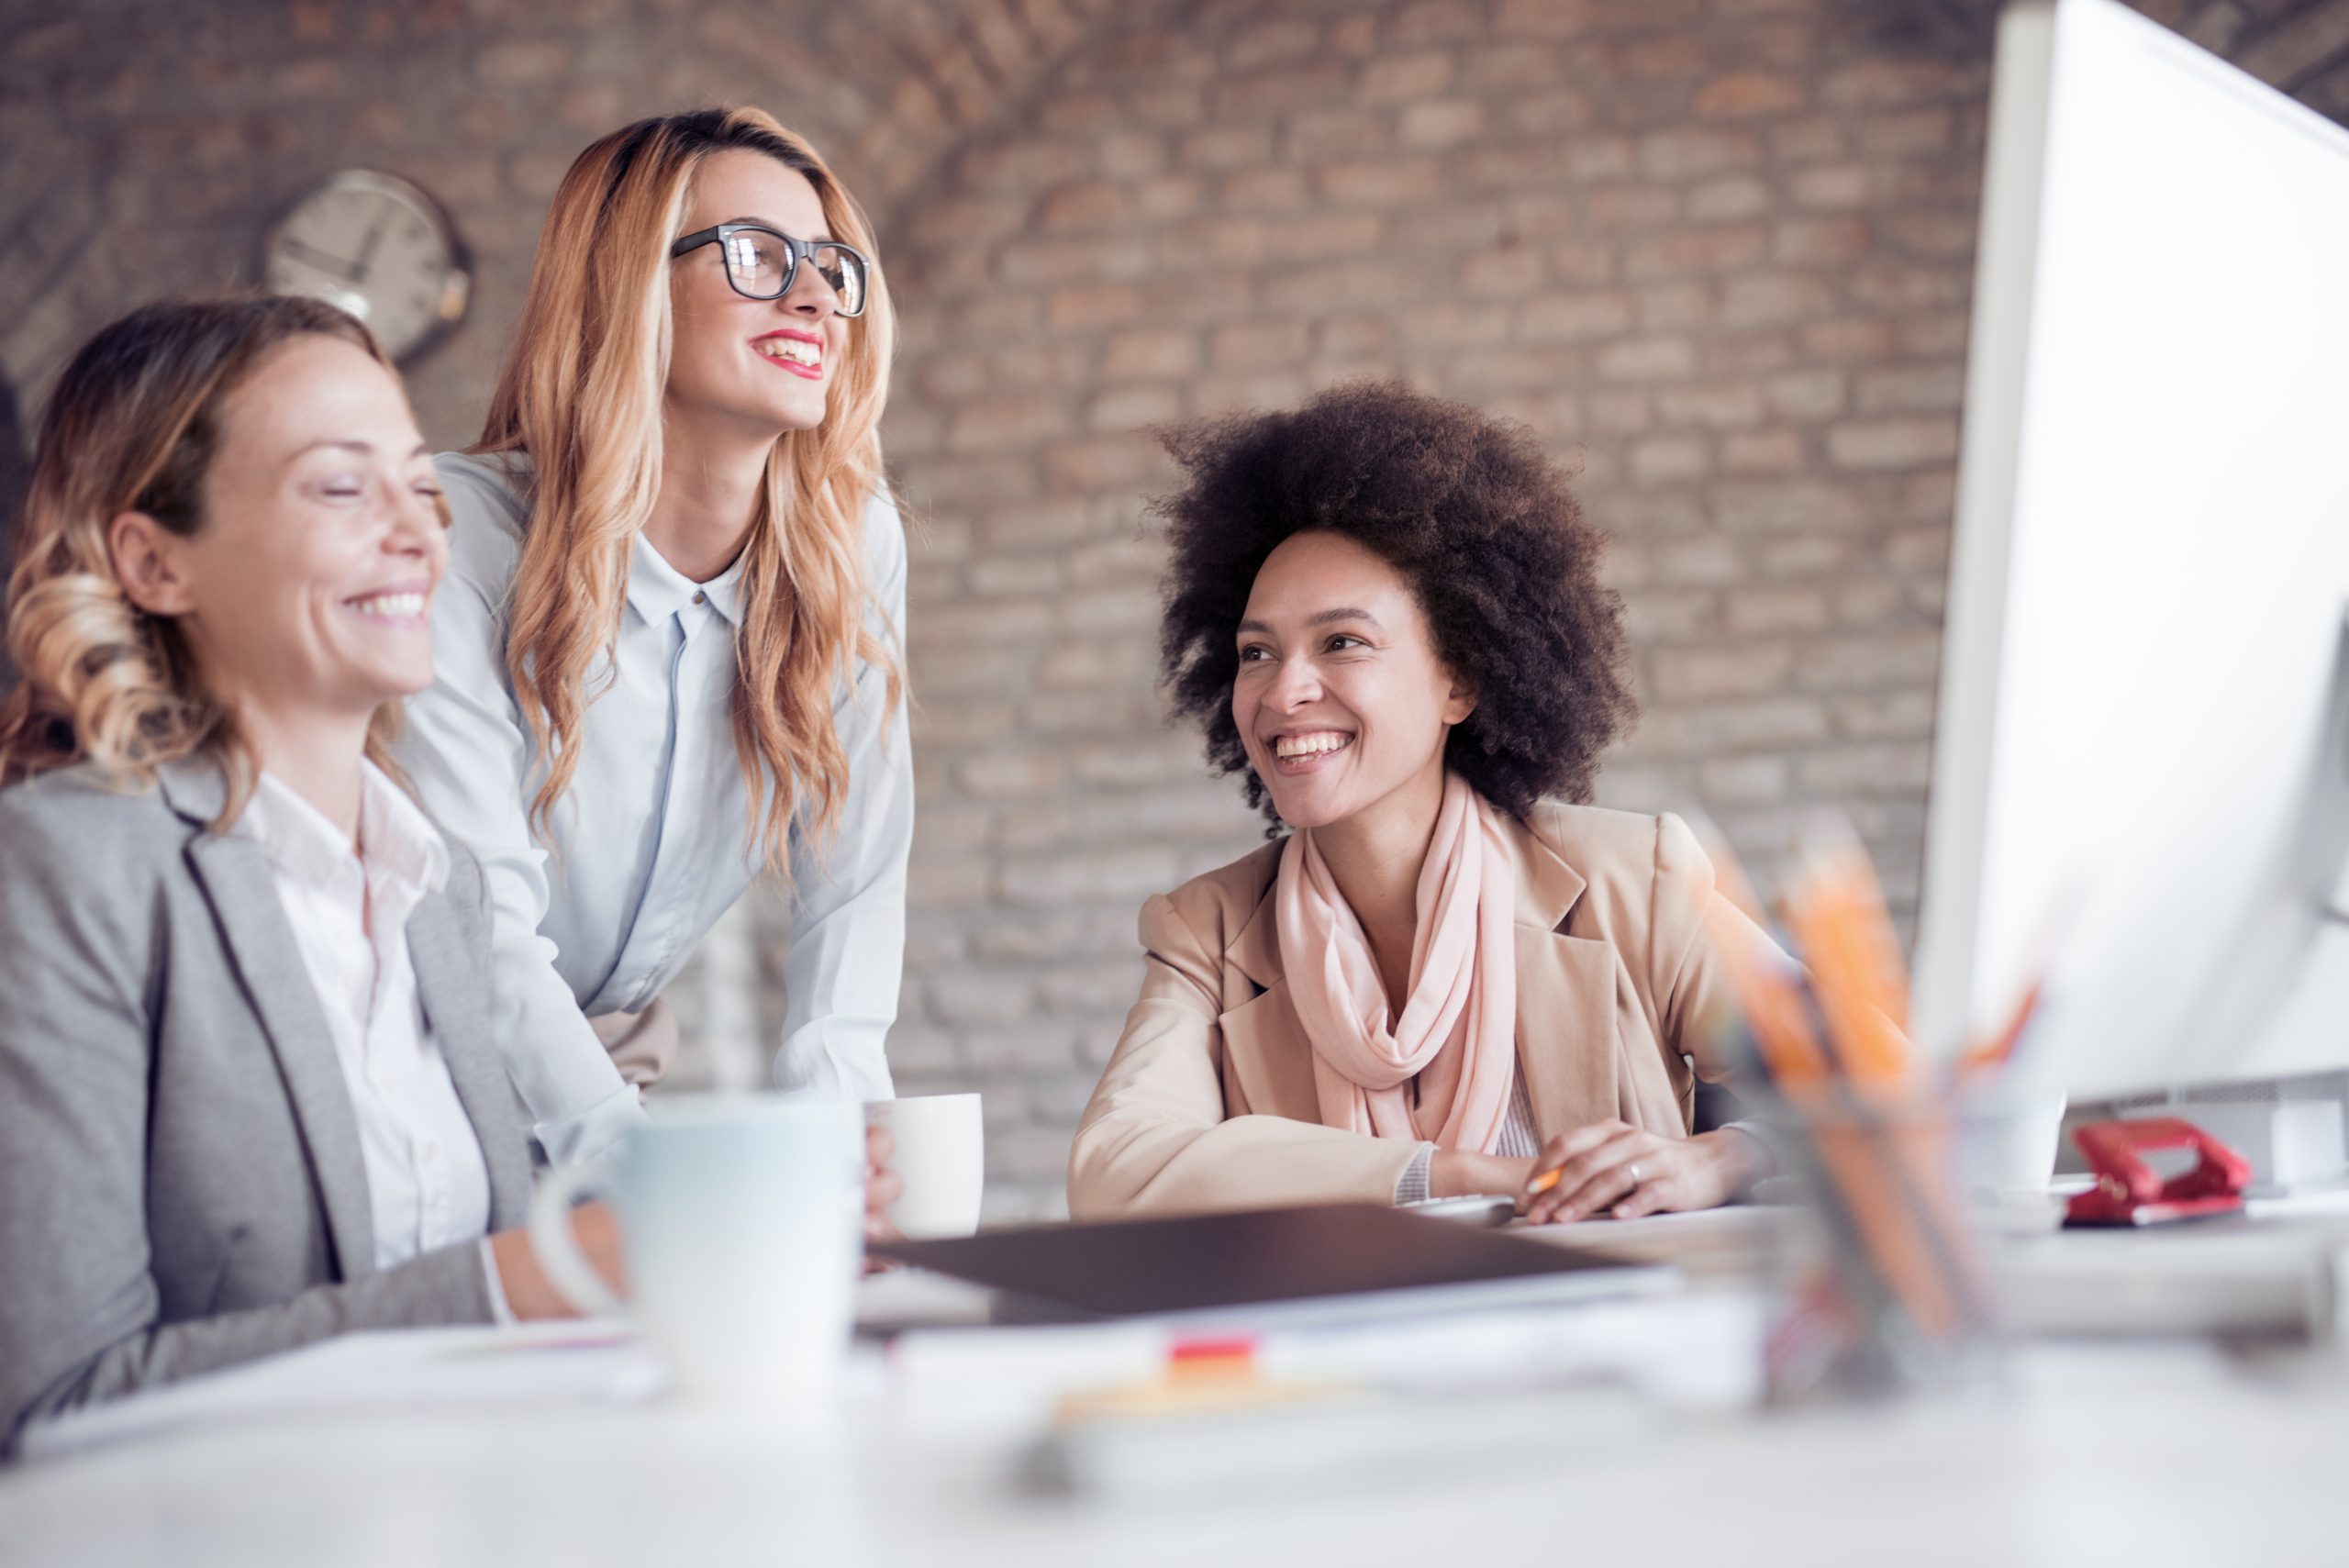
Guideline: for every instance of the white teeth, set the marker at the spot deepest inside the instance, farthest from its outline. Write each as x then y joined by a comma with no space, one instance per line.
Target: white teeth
391,607
1310,745
790,348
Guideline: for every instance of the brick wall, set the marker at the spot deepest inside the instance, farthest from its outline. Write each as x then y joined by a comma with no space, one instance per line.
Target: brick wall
144,145
1716,252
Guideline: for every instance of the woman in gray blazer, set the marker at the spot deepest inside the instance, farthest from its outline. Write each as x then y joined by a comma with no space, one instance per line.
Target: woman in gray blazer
248,1095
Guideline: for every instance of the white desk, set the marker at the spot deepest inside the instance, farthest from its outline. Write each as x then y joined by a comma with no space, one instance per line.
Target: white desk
2153,1453
2125,1461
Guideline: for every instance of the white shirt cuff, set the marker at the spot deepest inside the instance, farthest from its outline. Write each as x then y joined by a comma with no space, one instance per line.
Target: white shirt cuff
594,1132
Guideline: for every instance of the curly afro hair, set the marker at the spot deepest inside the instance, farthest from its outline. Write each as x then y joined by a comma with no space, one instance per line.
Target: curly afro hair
1479,522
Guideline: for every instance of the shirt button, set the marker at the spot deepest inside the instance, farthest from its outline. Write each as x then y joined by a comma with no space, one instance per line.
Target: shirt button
701,598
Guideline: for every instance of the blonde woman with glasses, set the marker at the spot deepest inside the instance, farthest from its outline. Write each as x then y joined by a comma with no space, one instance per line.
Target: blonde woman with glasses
669,648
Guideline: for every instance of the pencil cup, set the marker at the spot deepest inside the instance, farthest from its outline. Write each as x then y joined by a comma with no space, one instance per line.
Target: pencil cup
742,1222
1889,1294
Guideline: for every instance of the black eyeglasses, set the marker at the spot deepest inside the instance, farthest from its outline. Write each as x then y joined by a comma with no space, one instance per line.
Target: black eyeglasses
763,263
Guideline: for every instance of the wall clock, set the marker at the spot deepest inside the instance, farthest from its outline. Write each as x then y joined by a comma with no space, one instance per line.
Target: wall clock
380,249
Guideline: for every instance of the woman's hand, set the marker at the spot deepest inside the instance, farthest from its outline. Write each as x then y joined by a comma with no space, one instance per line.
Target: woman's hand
1457,1172
882,1187
529,1295
1613,1168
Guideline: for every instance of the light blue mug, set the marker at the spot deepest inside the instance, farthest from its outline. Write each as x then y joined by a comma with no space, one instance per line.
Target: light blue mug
742,1223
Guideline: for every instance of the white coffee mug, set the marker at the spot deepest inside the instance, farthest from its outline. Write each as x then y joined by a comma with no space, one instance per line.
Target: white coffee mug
2008,1137
941,1158
742,1222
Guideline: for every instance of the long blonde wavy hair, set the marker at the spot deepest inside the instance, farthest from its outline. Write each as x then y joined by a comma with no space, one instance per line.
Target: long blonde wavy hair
134,426
581,396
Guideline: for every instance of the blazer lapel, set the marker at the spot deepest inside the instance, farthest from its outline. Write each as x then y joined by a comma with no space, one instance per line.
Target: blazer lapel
1566,995
1264,1047
1266,1053
1256,950
242,891
1566,1030
456,1006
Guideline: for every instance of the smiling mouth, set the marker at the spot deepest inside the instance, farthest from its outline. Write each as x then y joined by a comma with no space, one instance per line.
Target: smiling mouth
405,608
1308,750
793,354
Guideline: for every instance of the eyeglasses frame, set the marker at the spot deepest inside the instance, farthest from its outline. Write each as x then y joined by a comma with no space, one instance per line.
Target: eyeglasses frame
797,249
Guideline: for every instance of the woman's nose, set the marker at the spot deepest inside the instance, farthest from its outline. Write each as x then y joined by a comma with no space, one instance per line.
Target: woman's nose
416,527
809,294
1296,683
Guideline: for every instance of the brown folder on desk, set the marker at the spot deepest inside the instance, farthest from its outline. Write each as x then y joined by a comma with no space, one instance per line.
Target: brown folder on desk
1335,1260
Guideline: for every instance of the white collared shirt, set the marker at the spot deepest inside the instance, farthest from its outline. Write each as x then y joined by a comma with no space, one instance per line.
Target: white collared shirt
427,1185
651,844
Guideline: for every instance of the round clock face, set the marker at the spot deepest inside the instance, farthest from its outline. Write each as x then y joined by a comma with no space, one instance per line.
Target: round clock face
377,247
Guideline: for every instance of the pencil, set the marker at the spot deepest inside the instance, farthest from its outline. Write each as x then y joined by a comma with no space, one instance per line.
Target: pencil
1996,1050
1847,938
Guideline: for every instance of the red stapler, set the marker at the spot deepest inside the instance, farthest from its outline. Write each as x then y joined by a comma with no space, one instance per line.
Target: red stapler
2129,1191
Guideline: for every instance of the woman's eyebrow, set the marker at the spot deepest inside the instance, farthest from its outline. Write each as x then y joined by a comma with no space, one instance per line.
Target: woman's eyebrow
346,444
350,444
1324,618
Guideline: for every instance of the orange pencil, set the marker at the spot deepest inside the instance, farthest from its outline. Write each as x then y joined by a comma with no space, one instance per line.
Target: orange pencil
1769,999
1839,918
1995,1050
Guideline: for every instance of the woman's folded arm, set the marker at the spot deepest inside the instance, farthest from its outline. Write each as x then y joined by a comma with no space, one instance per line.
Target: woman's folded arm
1155,1138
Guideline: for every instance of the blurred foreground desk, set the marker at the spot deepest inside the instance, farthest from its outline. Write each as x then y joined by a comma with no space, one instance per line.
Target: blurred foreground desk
2142,1450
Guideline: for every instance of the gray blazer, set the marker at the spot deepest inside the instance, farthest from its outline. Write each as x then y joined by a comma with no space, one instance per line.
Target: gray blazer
180,1185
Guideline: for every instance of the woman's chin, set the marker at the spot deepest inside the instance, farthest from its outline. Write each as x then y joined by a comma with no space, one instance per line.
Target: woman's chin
371,688
796,410
1303,808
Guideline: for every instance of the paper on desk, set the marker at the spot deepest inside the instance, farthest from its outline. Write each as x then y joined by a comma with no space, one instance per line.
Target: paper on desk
907,1297
591,1362
1331,1444
1467,1392
1701,1350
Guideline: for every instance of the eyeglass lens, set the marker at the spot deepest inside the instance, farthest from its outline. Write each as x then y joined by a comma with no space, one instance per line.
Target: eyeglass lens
761,266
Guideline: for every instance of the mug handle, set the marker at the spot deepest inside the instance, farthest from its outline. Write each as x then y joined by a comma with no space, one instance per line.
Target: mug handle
567,1269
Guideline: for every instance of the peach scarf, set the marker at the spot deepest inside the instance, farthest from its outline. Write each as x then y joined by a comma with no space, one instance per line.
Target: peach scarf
1457,1034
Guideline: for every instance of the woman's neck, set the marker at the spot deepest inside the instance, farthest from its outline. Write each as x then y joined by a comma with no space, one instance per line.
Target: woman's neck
1374,856
316,756
710,485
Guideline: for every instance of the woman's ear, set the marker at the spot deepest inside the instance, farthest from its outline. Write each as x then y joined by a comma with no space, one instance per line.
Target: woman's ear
1459,703
149,562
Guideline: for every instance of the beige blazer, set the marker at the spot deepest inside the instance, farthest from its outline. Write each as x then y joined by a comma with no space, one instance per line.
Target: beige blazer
1208,1102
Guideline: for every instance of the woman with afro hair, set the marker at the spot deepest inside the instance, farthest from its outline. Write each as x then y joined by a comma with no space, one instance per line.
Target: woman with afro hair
1449,973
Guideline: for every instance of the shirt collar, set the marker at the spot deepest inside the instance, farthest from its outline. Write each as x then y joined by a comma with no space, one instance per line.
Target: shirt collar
398,840
659,590
398,837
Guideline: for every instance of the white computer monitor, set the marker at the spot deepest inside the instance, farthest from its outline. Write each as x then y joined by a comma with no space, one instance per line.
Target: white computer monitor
2141,752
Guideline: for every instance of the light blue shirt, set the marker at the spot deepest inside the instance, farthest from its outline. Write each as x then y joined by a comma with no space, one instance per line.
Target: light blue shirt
651,844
